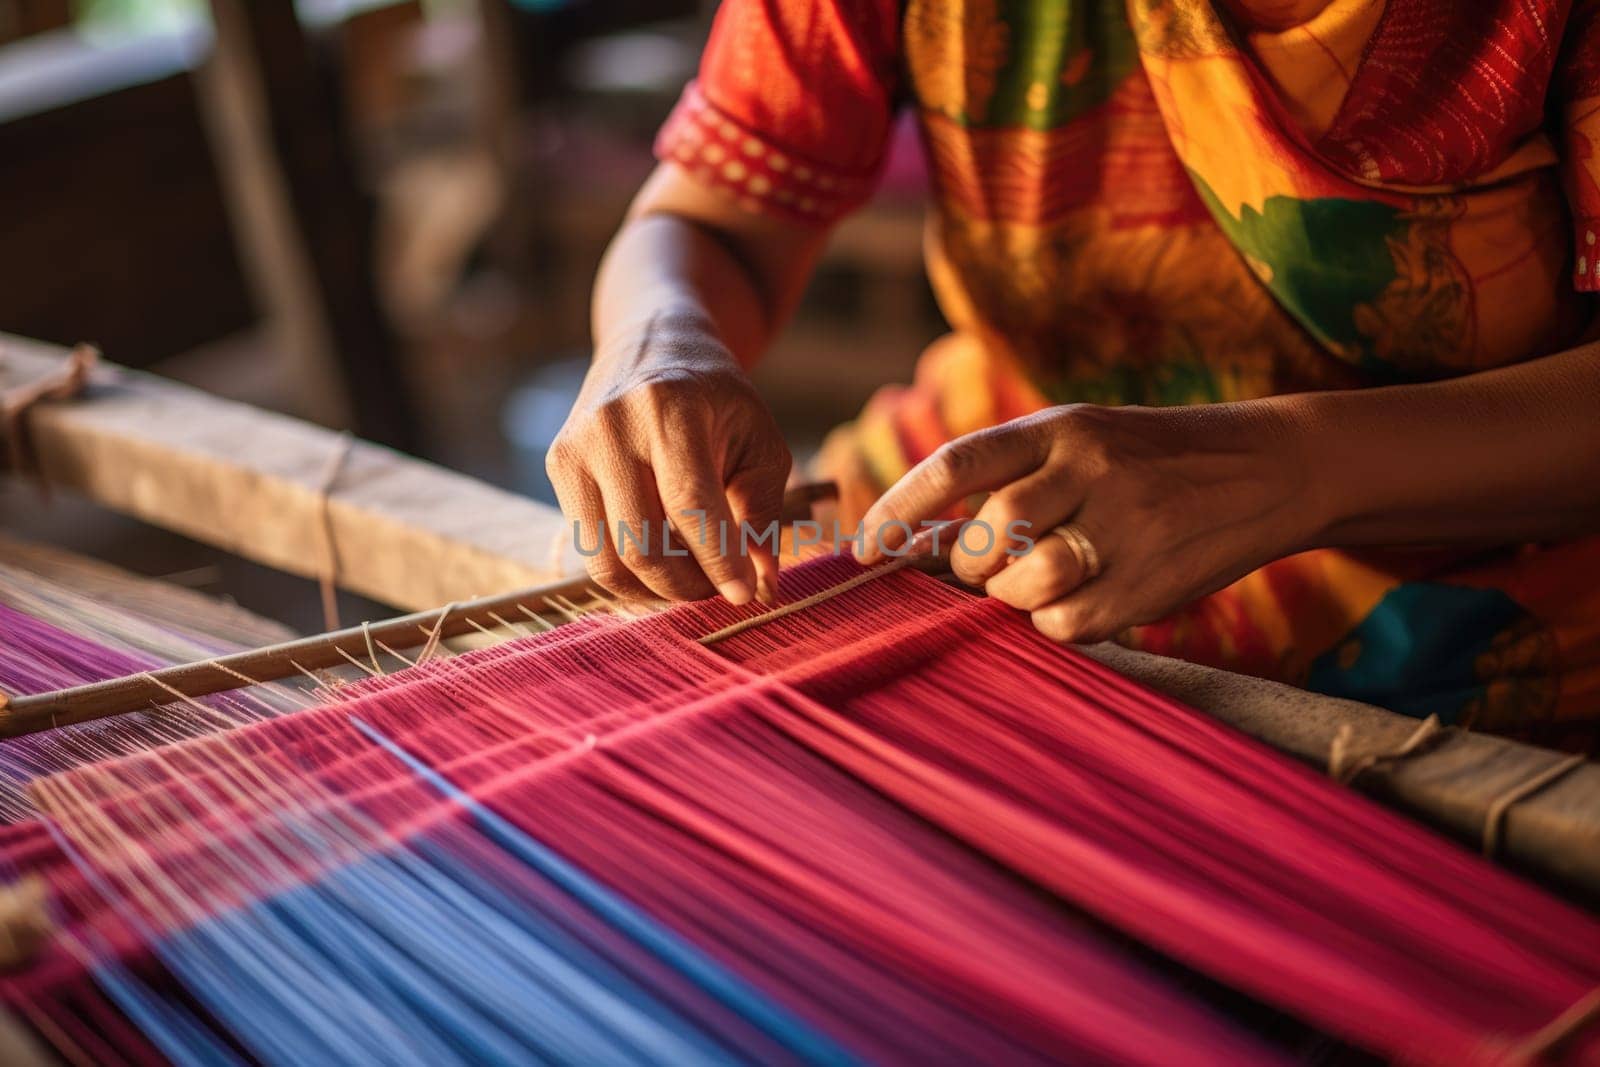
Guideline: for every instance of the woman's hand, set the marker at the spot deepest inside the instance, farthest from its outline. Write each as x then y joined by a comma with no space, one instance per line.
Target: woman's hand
1175,502
668,429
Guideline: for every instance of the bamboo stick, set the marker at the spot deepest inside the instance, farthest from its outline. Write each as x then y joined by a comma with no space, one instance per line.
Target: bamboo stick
42,711
117,696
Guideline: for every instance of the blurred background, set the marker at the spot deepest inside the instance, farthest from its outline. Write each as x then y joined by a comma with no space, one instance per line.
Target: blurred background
377,214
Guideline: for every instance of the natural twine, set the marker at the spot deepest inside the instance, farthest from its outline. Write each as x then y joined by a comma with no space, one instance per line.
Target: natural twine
1345,765
328,571
63,383
1494,819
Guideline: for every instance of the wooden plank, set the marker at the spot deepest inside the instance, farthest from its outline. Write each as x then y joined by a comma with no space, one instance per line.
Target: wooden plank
404,532
1451,783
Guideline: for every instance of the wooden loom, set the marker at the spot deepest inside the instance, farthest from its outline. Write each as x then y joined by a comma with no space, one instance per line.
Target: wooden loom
422,538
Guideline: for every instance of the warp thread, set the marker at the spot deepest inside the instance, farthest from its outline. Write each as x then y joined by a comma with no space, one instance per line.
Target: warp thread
905,709
63,383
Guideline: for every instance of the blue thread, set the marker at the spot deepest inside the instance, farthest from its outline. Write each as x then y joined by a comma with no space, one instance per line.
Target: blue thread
724,985
173,1030
400,958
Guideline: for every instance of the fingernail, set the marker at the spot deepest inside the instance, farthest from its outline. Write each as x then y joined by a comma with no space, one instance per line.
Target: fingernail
764,593
735,592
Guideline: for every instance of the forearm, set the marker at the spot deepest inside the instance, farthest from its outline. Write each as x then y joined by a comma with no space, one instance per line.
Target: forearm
685,257
670,270
1497,457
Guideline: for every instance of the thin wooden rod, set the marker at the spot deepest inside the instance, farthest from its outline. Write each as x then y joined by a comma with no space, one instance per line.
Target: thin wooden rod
30,714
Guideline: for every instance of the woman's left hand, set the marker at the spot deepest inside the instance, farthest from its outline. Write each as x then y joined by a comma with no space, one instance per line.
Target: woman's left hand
1174,503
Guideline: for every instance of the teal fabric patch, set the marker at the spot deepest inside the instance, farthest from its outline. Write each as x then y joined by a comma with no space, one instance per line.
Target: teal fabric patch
1416,651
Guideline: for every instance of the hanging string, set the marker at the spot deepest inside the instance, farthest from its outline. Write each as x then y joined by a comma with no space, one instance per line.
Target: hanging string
328,571
1494,819
434,635
63,383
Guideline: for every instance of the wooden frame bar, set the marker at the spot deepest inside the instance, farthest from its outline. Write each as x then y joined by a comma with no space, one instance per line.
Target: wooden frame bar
1453,784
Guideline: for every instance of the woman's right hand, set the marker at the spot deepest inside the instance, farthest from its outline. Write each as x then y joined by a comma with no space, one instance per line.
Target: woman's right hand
668,429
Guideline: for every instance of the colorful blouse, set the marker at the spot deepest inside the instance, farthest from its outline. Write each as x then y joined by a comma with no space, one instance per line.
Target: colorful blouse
1188,201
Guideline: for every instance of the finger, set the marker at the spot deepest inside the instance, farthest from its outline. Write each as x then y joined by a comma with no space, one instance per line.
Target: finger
1013,518
1049,572
1080,618
580,499
981,461
1096,608
697,505
639,523
756,497
931,547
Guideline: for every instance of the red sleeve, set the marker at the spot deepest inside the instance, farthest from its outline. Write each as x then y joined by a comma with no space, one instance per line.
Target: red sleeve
1578,82
792,108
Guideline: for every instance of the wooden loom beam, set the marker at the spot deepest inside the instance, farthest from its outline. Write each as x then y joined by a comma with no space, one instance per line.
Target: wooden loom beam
1453,783
403,531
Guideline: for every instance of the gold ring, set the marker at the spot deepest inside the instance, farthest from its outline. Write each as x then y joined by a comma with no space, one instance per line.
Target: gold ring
1082,548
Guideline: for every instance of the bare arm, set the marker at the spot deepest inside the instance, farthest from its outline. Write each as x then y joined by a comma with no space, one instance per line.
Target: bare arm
1178,502
667,428
1502,456
685,248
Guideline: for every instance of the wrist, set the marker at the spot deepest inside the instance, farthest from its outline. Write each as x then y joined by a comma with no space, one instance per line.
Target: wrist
671,332
1317,462
1282,436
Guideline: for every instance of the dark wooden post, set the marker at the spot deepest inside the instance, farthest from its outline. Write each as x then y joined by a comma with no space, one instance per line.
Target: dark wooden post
307,127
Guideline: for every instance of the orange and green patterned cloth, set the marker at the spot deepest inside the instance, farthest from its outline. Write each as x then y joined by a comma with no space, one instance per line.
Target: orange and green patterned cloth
1188,201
